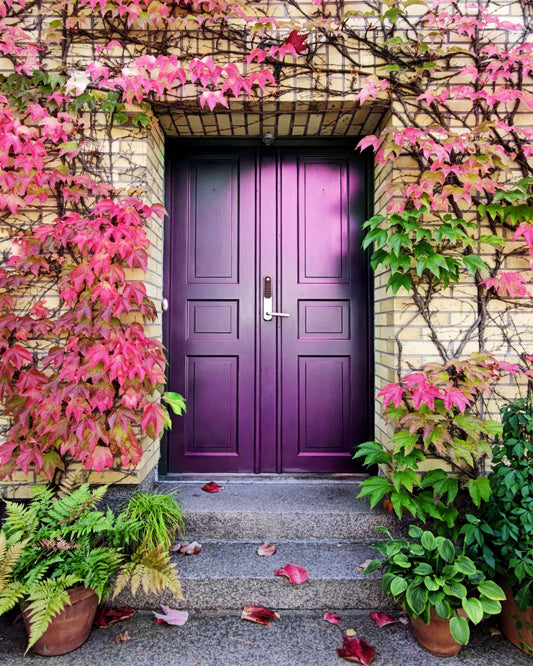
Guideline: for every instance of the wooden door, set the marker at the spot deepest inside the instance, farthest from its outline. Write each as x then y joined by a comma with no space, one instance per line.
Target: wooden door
288,393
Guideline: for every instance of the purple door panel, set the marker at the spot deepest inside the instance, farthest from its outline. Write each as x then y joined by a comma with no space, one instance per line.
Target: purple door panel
290,394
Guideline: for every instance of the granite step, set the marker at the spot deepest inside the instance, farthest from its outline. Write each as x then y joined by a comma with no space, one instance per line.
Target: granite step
231,575
292,508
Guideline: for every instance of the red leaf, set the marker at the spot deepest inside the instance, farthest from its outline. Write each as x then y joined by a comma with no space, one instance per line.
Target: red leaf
331,617
294,573
356,650
297,40
171,616
212,487
106,616
259,615
266,549
381,619
100,459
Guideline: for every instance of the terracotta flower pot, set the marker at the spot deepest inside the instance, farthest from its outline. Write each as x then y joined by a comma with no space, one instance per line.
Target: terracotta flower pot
516,624
71,627
435,637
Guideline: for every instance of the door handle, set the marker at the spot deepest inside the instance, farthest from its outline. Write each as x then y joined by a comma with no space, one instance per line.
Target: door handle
267,301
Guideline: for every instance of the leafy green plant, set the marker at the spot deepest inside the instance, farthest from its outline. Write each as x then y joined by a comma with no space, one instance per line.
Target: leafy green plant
432,572
502,536
434,414
59,541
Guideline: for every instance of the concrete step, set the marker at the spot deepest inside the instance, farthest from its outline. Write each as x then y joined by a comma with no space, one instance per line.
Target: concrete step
270,508
231,575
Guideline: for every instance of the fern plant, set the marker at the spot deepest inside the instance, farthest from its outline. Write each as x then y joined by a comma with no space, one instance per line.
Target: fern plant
62,540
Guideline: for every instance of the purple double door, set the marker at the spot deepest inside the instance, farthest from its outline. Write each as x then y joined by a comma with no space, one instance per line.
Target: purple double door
254,233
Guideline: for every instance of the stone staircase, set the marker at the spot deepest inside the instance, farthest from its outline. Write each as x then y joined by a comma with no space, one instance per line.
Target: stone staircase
316,523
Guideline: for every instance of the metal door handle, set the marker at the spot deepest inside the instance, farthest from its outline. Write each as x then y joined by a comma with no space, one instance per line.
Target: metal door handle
267,301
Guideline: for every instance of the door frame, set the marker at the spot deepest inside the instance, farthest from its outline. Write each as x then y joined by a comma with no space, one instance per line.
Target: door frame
324,145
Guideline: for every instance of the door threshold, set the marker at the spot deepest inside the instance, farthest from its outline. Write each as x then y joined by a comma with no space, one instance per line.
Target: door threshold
262,478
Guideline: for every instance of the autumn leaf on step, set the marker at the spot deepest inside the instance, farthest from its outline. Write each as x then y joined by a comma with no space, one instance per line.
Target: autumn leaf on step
382,619
106,616
212,487
171,616
124,636
190,548
363,565
331,617
294,573
266,549
259,615
356,650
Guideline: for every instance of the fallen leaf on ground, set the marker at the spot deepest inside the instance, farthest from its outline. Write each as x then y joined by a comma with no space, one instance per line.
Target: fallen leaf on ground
356,650
192,548
363,565
331,617
494,630
382,619
351,632
387,505
171,616
259,615
266,549
124,636
212,487
106,616
294,573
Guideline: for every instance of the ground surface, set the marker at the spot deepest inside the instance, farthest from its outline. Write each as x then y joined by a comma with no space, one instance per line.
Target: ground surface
220,638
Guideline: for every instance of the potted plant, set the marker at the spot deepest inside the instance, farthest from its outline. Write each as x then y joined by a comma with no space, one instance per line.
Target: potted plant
502,536
439,587
67,555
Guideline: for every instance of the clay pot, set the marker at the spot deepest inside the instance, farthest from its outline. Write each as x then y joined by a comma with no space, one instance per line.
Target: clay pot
516,624
435,637
71,627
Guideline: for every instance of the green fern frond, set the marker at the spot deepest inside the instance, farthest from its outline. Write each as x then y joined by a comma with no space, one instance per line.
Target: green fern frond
9,556
21,522
100,564
47,600
10,595
150,569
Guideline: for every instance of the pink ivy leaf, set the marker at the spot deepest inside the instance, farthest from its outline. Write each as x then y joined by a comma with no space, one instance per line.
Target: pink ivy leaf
212,487
266,549
171,616
294,573
382,619
369,140
259,615
391,392
356,650
331,617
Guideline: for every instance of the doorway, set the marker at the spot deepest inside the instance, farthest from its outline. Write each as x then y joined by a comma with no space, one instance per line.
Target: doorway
267,329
